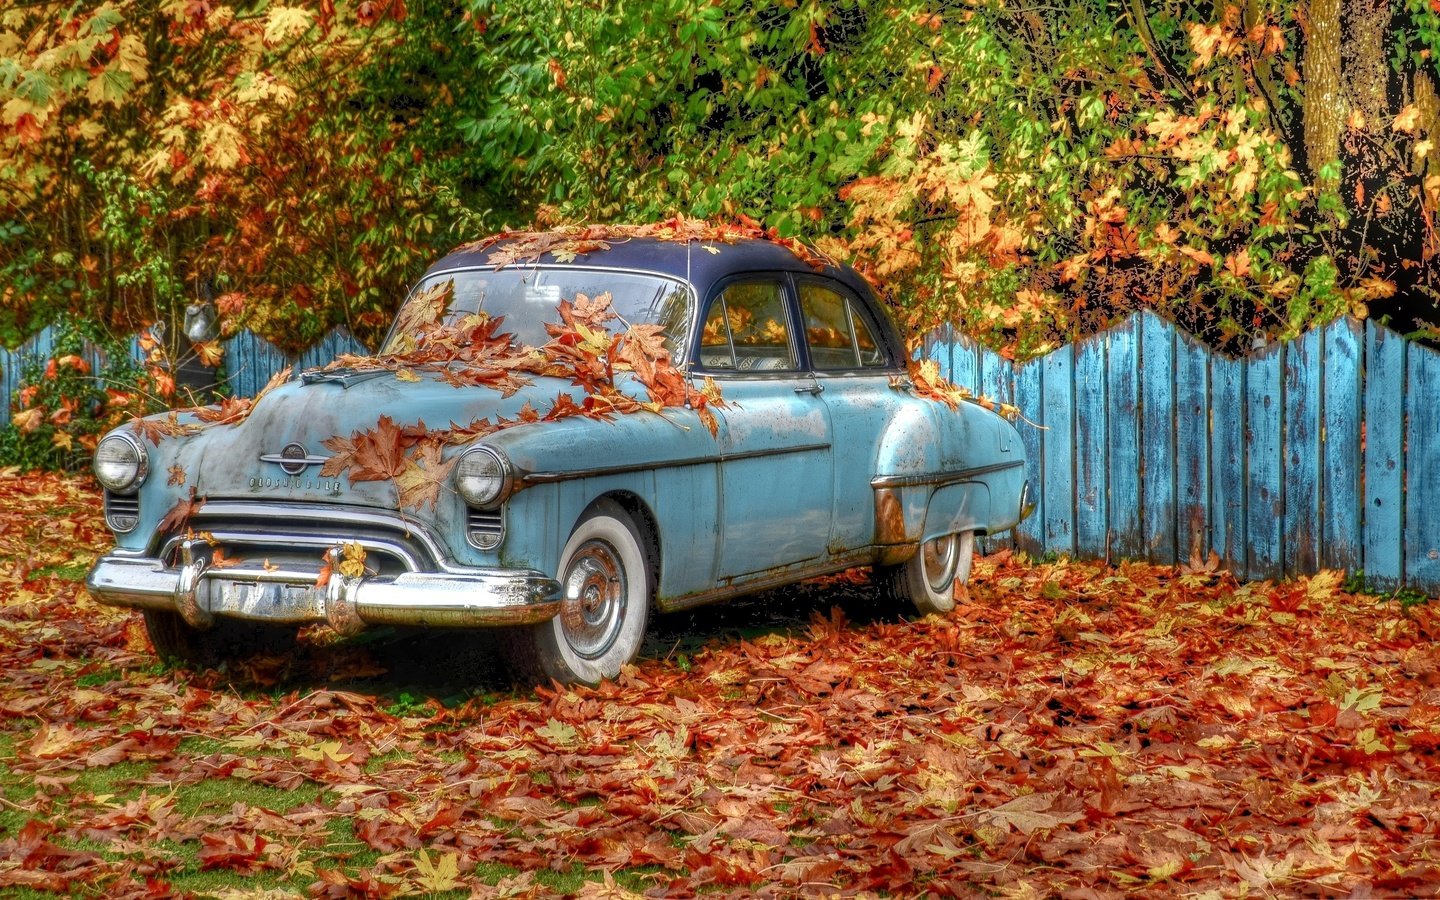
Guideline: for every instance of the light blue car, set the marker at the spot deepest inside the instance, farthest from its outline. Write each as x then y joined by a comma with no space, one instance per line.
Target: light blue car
567,533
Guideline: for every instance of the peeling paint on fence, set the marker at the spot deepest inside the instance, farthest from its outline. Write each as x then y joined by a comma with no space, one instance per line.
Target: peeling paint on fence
1321,452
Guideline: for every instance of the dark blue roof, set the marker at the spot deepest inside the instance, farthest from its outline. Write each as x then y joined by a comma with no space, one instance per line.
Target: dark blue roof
692,261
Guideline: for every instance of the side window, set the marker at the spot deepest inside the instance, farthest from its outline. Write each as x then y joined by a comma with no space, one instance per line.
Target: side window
839,336
746,329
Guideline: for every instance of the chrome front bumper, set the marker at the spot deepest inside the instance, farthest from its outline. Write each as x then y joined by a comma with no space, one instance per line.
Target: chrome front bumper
199,592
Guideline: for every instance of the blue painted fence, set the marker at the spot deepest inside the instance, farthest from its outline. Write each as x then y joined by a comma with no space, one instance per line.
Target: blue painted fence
1323,452
249,360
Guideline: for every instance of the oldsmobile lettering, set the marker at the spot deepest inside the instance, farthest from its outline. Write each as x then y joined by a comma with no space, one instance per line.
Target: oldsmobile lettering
297,484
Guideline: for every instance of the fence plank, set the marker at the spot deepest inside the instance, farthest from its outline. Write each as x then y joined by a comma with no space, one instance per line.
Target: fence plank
1091,449
1264,488
965,363
1384,455
1192,449
997,383
1422,470
1058,390
1157,437
1301,456
1340,442
250,360
1030,399
1227,461
1123,415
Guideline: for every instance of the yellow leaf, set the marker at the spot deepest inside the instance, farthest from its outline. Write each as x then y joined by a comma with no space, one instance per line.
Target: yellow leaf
441,875
330,750
1408,119
406,375
352,563
286,22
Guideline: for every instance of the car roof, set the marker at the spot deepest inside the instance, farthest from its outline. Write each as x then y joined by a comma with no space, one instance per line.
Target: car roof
702,263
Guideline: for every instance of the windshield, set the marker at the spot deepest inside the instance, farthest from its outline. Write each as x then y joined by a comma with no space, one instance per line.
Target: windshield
528,297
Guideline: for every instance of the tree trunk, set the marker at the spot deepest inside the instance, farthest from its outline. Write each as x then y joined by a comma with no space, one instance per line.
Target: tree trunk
1325,109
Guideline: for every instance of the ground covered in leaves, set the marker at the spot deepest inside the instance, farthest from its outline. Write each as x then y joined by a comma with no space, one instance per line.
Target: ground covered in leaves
1071,729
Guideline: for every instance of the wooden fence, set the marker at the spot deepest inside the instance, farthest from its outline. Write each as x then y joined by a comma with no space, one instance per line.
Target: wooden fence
1323,452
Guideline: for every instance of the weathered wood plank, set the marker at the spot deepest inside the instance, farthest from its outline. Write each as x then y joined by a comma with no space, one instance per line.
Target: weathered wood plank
1341,498
1384,455
1030,536
250,360
1301,456
1091,450
1123,414
1157,437
1192,449
1264,486
1227,461
997,384
1422,470
1058,388
965,363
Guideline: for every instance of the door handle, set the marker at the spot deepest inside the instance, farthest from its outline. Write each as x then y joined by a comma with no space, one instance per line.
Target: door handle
813,390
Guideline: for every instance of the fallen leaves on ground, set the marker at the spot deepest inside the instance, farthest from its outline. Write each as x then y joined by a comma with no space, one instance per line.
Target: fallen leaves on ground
1071,729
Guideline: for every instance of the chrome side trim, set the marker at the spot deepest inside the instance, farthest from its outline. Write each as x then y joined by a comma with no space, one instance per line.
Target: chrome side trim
596,471
943,478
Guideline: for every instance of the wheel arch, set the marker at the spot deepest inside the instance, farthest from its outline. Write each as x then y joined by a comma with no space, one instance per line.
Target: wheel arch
643,518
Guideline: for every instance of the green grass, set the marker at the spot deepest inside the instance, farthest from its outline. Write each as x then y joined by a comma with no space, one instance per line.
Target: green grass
219,794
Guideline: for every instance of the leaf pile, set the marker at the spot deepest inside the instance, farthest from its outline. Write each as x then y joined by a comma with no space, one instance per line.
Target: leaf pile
1070,729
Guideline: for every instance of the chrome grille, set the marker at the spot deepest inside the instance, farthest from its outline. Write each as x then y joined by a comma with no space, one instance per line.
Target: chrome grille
122,512
485,529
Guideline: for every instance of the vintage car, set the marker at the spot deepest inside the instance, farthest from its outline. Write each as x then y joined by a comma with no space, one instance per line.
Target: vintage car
797,444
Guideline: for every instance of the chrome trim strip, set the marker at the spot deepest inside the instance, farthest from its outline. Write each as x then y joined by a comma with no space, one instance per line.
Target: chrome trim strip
598,471
943,478
303,461
236,538
264,513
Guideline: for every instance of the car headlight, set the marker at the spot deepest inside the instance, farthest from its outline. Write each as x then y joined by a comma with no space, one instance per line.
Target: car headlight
121,463
483,477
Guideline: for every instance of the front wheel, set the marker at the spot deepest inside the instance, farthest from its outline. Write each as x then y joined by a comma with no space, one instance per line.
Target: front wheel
175,641
928,578
606,585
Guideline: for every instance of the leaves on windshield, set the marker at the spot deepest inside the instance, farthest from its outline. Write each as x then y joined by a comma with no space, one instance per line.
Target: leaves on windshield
476,352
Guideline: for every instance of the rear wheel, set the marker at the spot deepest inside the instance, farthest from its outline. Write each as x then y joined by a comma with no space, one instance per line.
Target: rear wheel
606,584
928,578
176,641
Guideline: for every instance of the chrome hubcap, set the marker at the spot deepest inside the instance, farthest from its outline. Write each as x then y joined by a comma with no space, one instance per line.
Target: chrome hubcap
594,605
940,557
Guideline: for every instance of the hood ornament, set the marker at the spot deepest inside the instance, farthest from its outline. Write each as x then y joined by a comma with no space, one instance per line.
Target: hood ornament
294,459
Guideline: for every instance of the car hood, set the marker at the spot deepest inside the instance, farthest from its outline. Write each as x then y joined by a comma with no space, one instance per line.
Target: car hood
225,460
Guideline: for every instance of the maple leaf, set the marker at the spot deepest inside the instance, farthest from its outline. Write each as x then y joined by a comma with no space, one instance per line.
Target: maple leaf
373,455
1029,813
177,475
423,476
176,520
352,560
219,560
442,874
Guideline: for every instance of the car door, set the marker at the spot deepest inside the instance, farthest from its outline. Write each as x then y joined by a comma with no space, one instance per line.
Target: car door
775,469
853,366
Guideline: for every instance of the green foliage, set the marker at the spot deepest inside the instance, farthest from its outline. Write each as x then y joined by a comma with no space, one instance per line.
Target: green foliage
62,407
1028,173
